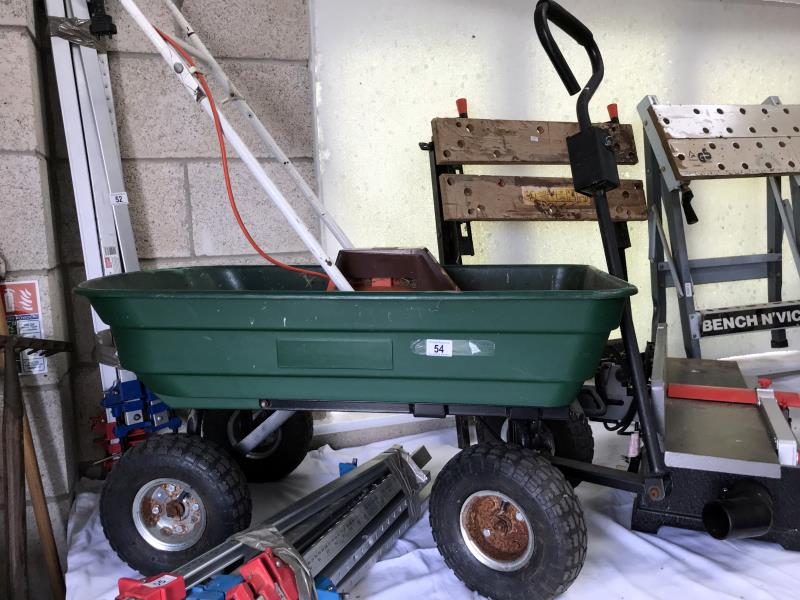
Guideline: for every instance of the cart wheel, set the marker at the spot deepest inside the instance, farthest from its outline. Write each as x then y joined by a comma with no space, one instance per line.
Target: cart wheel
573,437
508,523
170,499
567,438
277,456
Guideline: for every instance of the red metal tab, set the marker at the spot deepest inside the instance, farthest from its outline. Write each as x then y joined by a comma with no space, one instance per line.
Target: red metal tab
788,399
160,587
712,393
266,571
461,107
241,591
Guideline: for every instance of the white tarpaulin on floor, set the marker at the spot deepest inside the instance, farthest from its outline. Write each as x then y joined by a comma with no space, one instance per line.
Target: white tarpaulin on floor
619,564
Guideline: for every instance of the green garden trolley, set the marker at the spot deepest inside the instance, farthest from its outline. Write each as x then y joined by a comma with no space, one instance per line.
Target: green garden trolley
514,341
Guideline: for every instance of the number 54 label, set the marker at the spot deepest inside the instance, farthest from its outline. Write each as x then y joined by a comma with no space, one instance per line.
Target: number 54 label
439,347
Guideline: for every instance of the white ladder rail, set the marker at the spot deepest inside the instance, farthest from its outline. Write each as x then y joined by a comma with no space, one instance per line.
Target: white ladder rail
184,73
105,231
197,48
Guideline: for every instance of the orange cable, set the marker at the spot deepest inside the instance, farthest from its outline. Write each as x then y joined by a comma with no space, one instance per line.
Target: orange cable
224,156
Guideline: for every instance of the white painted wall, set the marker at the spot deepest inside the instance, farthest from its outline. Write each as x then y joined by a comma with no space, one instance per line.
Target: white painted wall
383,69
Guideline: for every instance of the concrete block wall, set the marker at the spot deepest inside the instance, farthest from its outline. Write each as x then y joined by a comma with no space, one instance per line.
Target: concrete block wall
29,248
171,166
173,177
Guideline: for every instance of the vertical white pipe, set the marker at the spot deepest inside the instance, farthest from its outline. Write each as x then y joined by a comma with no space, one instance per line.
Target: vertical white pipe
187,78
249,114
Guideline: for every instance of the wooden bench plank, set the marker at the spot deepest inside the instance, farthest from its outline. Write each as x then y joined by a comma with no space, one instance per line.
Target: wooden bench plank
495,141
507,198
728,141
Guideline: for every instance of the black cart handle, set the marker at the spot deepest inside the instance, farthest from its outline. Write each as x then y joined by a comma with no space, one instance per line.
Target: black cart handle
547,10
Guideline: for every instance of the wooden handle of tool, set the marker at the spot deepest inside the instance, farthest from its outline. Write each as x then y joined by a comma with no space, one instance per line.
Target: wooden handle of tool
34,478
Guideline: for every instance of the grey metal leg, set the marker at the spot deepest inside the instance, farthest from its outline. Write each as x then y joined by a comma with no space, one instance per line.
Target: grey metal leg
680,253
794,189
656,253
775,245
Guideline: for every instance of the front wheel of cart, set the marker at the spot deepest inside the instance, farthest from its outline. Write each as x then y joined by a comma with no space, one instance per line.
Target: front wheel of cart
170,499
507,523
273,459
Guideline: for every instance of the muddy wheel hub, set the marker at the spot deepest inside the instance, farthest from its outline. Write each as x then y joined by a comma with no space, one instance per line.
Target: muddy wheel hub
169,514
496,531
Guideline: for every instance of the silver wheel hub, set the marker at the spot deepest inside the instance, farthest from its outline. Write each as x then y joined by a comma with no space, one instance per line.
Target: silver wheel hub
169,514
496,531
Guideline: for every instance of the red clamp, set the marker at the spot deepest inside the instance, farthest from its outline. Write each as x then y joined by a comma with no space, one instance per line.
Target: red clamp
160,587
613,112
241,591
266,572
461,107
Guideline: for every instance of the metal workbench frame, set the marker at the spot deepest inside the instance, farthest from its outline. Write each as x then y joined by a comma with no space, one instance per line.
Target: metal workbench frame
669,259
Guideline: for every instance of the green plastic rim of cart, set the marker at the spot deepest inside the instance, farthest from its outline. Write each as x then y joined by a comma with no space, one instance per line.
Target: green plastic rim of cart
496,531
169,514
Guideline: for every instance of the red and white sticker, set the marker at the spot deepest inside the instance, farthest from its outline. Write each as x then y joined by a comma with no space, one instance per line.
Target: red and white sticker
24,317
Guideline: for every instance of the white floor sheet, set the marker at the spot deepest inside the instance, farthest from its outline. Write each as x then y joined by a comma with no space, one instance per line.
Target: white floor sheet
620,564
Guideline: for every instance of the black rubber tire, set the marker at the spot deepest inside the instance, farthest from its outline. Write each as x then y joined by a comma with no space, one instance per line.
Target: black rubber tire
291,449
572,437
535,486
204,466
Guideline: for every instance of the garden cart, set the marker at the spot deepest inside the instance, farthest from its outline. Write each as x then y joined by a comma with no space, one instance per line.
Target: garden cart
514,343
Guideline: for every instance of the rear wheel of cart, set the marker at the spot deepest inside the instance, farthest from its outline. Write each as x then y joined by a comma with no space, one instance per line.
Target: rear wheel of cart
566,438
508,523
170,499
276,457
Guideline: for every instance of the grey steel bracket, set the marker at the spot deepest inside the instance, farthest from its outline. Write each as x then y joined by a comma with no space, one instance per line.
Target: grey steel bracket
695,320
673,184
782,436
659,226
780,204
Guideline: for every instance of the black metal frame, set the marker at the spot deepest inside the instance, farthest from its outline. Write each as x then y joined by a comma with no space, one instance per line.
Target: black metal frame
453,243
653,480
633,482
695,487
594,172
436,411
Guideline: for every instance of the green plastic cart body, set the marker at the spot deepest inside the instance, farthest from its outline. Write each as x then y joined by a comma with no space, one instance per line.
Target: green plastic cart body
229,337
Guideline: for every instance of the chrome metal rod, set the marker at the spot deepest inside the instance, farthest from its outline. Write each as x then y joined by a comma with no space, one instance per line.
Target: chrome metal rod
266,428
333,541
384,543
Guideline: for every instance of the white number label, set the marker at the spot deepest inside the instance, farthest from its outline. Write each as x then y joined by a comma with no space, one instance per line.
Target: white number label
119,198
439,347
160,582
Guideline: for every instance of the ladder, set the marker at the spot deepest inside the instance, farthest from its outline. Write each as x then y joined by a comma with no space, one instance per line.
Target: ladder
684,143
90,128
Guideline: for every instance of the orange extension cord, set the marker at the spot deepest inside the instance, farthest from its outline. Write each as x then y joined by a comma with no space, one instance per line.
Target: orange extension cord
224,156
